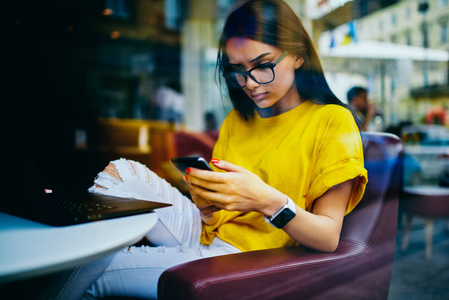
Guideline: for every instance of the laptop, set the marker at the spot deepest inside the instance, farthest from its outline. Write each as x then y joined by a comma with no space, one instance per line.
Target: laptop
25,194
71,209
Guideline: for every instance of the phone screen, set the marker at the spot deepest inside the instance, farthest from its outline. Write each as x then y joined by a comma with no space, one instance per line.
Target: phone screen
182,163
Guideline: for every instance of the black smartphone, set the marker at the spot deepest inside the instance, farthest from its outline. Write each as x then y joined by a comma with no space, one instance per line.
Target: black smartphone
182,163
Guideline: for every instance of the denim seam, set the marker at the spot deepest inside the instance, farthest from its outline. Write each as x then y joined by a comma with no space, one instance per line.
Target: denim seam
63,289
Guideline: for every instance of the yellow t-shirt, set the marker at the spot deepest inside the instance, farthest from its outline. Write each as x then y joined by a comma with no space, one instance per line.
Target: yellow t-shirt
301,153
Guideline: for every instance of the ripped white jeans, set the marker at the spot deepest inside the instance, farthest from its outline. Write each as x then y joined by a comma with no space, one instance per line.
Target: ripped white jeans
134,271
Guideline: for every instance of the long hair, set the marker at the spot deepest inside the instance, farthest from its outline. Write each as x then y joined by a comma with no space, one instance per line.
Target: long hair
273,22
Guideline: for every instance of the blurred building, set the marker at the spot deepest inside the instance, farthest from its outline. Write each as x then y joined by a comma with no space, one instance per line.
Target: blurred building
407,85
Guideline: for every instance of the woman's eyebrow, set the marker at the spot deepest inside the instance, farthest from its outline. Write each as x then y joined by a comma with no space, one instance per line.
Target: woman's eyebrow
260,56
253,60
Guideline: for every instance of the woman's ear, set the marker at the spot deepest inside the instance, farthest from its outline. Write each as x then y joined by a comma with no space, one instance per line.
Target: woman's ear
299,61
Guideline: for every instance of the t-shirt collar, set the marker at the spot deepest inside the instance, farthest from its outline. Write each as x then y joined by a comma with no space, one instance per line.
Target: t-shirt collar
286,116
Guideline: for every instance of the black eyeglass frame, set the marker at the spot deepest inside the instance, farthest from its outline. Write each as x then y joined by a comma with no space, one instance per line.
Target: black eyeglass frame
271,66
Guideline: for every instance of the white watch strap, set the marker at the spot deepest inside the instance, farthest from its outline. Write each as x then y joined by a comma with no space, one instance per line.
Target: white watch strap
290,204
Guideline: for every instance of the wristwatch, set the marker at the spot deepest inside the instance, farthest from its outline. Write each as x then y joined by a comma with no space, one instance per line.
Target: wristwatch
283,215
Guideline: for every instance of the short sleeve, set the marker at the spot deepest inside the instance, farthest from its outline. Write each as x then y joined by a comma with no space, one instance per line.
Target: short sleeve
339,159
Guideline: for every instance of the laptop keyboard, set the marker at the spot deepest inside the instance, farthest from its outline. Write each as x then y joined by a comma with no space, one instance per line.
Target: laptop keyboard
82,207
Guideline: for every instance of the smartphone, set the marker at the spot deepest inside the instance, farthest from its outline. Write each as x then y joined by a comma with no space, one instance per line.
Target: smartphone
182,163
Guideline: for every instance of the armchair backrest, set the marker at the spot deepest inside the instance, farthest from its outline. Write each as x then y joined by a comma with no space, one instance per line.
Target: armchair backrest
374,220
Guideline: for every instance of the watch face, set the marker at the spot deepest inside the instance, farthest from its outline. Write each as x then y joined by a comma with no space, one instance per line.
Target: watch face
283,218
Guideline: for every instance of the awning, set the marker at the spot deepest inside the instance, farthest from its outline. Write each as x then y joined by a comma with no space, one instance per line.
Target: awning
384,51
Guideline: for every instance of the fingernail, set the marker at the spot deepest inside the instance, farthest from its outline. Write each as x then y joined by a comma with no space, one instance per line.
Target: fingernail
186,178
188,170
215,161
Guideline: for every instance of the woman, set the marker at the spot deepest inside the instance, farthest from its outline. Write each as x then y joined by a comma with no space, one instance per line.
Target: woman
288,161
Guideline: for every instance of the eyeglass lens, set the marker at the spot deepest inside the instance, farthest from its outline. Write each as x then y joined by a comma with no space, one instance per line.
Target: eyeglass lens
260,75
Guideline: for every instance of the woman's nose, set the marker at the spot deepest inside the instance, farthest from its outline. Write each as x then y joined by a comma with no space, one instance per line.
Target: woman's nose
251,83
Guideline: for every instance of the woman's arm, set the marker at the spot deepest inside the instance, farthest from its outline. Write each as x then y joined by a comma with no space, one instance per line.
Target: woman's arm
321,228
240,190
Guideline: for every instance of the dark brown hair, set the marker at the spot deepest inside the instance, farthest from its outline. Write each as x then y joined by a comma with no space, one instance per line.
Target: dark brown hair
273,22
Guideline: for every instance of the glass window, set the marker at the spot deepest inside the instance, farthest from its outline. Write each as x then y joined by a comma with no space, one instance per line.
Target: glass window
117,9
443,33
408,38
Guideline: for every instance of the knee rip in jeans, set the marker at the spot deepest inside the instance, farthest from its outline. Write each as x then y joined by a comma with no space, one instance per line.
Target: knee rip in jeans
111,173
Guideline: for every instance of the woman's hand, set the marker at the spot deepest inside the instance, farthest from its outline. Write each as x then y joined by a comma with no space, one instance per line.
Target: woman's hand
206,208
237,189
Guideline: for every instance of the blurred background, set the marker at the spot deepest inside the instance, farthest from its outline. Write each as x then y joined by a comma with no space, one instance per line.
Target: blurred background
87,81
83,82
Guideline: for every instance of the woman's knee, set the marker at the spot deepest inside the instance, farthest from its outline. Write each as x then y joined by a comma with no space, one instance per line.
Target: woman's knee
118,173
111,171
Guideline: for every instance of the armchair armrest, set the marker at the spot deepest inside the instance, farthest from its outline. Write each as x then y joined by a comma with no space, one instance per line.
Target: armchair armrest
283,273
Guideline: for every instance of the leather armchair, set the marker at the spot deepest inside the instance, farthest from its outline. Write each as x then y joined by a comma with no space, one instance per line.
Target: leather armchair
360,268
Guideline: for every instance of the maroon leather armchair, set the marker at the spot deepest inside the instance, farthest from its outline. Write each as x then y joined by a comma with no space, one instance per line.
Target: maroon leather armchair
360,268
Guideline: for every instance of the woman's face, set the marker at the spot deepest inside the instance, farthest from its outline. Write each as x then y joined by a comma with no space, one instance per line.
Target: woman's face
281,94
360,102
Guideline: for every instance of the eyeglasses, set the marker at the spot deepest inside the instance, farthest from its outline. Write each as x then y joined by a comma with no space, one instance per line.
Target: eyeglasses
261,74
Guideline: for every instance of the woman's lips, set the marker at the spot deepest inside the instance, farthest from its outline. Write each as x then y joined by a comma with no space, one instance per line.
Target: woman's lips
258,96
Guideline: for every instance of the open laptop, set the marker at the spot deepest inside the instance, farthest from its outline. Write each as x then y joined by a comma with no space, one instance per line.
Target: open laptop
63,210
23,193
24,196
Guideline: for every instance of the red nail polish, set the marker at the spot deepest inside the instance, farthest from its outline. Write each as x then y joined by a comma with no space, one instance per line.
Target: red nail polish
186,178
215,161
188,170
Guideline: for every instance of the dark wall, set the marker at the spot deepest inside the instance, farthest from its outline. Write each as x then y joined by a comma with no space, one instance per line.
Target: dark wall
44,97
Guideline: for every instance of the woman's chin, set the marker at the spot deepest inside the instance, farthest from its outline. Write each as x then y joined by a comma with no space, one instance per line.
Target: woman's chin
264,104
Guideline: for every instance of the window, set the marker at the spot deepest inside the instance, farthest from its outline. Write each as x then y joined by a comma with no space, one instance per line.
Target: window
393,19
175,13
408,38
443,33
172,14
118,9
408,13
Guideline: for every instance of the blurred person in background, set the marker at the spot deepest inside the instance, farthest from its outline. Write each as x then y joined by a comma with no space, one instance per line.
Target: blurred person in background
371,117
170,103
